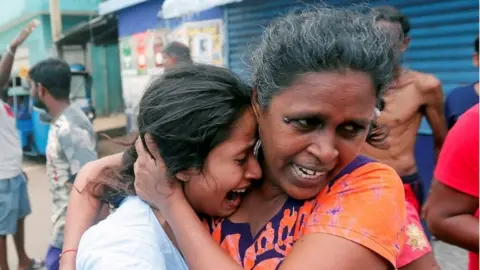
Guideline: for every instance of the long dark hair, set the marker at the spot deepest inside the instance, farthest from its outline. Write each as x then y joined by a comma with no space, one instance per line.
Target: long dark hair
188,111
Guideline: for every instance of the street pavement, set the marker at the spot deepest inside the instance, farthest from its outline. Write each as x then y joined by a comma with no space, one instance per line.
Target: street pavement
450,257
38,224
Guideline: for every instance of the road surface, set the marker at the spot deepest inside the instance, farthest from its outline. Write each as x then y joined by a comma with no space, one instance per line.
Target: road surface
38,225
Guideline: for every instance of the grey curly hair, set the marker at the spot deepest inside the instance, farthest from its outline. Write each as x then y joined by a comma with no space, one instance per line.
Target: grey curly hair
322,39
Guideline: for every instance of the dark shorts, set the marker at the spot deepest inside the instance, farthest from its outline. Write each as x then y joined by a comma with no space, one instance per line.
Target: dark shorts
52,260
14,203
413,190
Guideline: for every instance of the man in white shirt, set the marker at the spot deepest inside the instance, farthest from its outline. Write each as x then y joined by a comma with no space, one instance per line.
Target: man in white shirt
14,202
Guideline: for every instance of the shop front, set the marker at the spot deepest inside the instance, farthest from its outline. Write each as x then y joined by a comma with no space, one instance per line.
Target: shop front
143,33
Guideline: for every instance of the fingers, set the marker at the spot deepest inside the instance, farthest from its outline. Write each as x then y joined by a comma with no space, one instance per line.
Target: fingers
32,25
140,148
148,157
152,148
23,35
140,154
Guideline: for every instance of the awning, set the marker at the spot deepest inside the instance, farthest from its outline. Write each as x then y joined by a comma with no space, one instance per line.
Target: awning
176,8
102,29
115,5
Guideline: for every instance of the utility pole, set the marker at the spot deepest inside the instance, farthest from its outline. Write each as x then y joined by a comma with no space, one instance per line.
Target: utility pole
56,23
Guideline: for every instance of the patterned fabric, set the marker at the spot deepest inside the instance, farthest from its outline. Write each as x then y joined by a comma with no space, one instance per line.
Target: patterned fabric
71,144
416,245
365,205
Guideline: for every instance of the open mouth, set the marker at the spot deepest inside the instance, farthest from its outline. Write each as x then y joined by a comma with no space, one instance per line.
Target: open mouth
306,173
236,194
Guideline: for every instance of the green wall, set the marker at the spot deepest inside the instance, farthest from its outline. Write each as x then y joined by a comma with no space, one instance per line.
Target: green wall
107,83
35,43
39,43
107,88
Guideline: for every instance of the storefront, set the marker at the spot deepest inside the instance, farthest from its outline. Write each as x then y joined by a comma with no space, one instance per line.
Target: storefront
144,31
94,45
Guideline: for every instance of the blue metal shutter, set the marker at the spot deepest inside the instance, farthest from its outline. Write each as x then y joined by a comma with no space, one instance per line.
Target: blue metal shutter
442,34
245,22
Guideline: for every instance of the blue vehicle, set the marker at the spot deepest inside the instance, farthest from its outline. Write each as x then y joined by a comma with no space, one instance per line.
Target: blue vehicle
33,123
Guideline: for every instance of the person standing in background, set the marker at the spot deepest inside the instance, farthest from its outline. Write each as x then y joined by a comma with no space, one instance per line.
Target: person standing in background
451,210
462,98
176,53
14,200
71,142
409,97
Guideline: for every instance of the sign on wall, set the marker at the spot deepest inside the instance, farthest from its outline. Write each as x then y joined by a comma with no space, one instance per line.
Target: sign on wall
204,38
141,54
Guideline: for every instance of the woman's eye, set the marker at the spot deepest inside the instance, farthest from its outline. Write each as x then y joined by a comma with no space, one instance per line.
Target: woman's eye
241,161
304,123
350,131
349,128
301,122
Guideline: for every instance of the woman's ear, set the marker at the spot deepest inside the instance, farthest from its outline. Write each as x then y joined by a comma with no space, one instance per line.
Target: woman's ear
255,104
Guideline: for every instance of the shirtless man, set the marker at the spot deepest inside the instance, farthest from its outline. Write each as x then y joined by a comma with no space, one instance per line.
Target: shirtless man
410,97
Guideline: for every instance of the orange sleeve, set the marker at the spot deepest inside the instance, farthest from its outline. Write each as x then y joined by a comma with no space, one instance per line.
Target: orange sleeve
367,207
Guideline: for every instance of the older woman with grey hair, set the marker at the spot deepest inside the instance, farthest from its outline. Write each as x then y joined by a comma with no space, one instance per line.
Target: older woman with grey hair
318,76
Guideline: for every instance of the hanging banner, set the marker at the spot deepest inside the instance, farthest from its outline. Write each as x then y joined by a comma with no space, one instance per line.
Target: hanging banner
126,56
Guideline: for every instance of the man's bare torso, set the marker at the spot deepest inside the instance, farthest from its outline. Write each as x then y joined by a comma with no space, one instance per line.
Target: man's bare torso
402,114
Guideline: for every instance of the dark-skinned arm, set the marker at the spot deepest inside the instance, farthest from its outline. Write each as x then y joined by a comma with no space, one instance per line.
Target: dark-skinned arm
7,58
6,69
453,201
432,89
450,217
